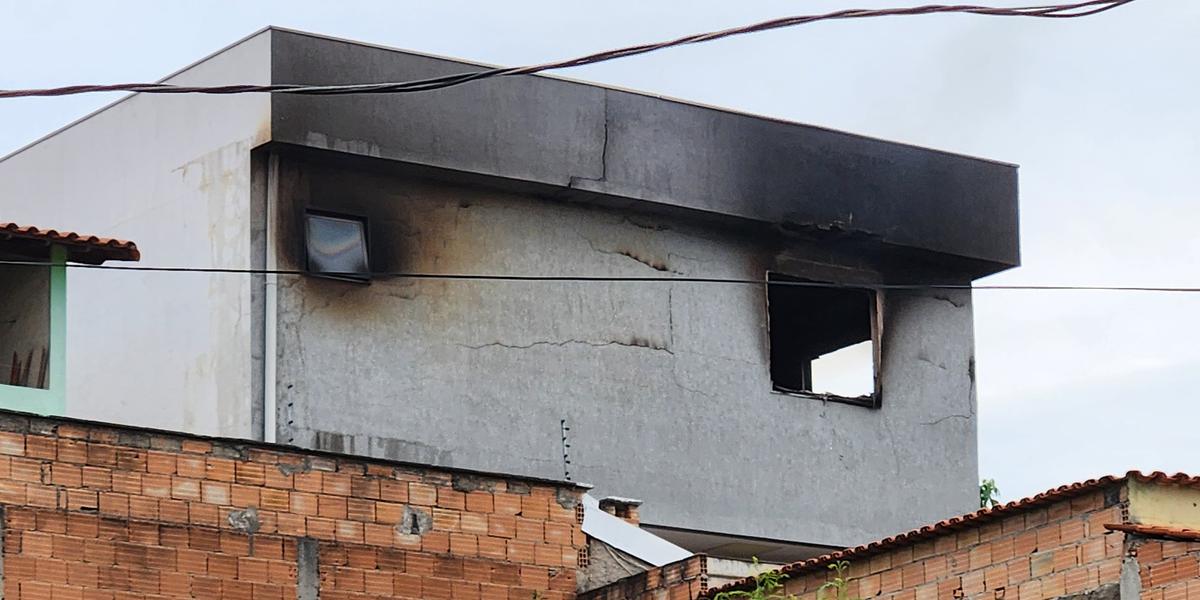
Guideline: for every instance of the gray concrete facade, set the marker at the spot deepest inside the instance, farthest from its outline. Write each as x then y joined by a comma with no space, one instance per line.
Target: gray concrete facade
666,386
582,141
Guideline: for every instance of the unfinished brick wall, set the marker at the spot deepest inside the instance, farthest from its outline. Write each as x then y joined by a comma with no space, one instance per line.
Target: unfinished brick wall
1051,551
99,512
53,554
683,580
1168,569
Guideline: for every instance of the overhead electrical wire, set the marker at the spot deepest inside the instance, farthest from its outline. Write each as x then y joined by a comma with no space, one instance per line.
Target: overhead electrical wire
1059,11
620,279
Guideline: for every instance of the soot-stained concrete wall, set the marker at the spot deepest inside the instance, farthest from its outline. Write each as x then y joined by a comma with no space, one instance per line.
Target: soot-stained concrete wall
583,137
666,386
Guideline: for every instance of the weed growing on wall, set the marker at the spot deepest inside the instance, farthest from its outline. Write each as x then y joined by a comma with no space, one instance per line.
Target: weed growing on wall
838,584
767,586
988,493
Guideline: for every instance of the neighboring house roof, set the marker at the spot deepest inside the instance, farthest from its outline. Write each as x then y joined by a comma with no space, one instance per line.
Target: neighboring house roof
630,539
1156,531
969,520
33,242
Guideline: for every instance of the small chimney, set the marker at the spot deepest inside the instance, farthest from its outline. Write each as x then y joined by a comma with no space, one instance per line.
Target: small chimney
625,508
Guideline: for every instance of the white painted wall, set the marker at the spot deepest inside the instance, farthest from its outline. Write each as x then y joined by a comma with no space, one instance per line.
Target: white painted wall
172,173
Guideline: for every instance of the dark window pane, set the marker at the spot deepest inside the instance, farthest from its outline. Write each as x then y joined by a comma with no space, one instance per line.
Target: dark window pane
337,246
25,326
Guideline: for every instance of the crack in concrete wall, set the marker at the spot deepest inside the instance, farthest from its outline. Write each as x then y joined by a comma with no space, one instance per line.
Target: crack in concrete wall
649,226
947,418
573,181
945,298
631,343
657,265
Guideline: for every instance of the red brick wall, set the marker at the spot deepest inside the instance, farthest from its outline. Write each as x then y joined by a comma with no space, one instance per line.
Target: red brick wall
1059,549
682,580
97,512
54,554
1169,570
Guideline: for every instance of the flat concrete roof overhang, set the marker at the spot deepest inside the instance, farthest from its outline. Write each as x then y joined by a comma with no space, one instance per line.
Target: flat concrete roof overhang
588,141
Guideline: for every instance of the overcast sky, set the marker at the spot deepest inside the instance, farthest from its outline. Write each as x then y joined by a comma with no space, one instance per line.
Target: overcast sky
1102,114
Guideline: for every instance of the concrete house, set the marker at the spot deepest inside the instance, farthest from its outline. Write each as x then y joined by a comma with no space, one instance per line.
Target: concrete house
33,310
690,395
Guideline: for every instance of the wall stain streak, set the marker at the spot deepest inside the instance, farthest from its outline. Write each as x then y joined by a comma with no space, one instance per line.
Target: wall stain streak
657,265
653,264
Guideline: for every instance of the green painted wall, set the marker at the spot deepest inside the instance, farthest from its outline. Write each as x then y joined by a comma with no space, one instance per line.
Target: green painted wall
52,401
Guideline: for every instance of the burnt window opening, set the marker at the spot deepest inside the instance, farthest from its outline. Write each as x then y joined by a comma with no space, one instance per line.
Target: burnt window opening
823,340
336,246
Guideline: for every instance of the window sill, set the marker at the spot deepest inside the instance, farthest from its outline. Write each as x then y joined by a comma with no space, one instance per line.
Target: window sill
32,400
868,401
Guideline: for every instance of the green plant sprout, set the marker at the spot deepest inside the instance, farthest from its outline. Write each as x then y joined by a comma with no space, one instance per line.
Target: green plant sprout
838,584
767,586
988,494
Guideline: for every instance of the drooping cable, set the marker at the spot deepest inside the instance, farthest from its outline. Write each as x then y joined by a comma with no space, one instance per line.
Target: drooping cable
1059,11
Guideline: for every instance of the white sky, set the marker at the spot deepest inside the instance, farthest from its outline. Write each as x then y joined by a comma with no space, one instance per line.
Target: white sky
1102,114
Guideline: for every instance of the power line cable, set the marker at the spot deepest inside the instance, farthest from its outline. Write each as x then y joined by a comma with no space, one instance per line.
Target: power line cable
1059,11
621,279
1080,9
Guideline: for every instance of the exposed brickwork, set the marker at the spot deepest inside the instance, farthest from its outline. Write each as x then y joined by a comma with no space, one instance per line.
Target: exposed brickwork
1055,547
1075,542
683,580
96,512
1169,569
623,508
56,554
1051,551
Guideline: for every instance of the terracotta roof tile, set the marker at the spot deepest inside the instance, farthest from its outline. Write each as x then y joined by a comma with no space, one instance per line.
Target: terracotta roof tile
962,522
89,249
1156,531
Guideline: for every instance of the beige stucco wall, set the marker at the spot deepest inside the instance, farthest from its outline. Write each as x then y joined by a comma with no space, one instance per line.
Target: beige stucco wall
1164,505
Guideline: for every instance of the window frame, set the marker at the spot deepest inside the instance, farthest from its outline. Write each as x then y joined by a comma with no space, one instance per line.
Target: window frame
51,401
875,398
366,279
